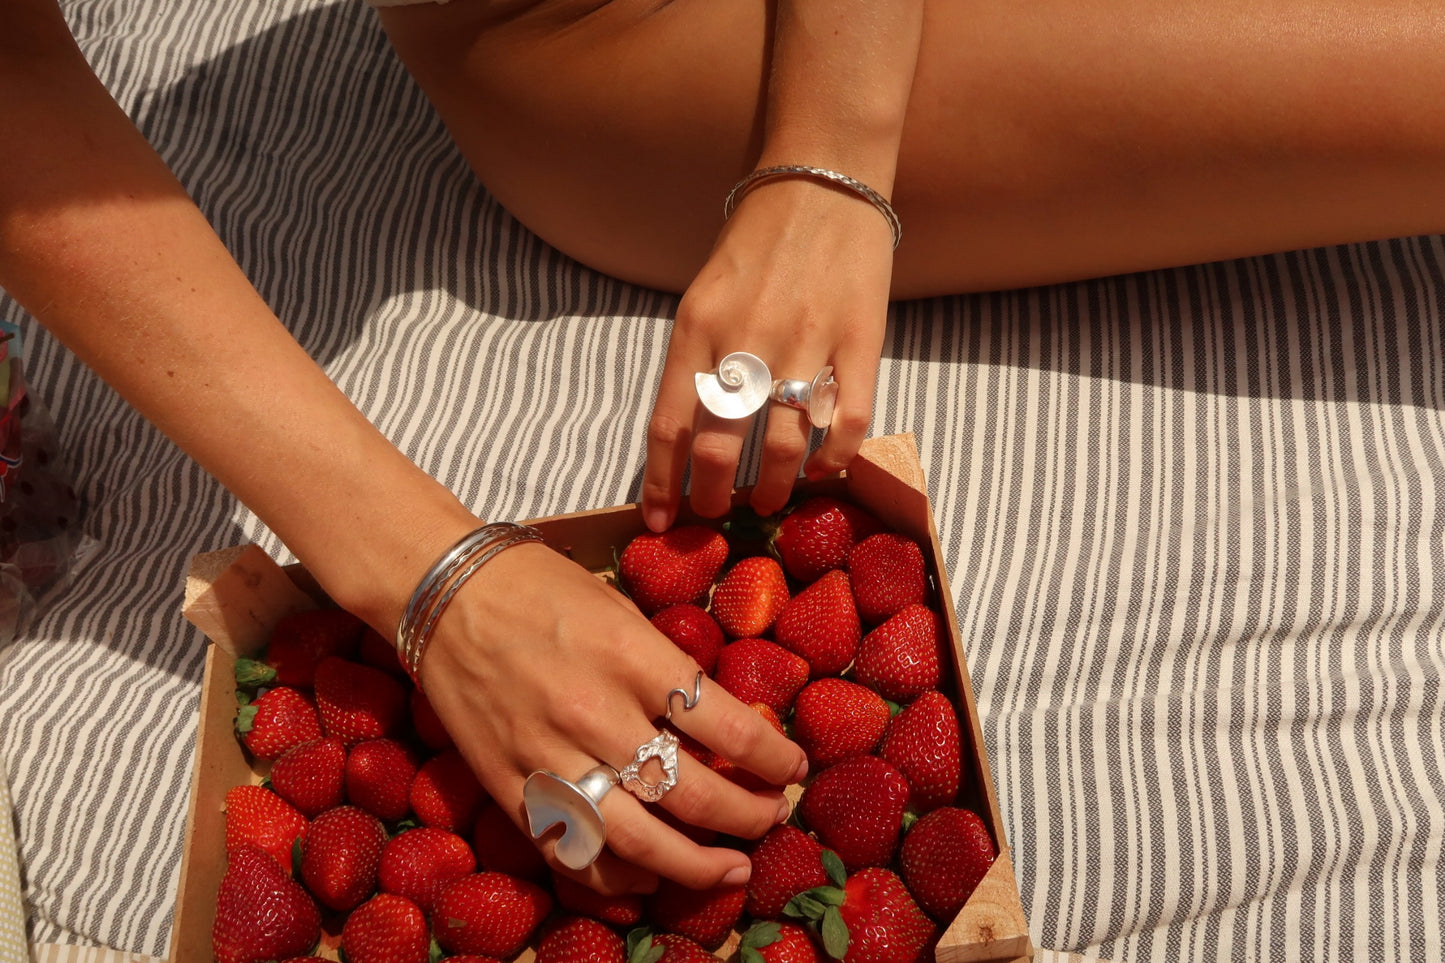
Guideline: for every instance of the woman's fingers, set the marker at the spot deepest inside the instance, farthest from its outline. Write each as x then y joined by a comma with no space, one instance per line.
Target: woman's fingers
669,438
857,375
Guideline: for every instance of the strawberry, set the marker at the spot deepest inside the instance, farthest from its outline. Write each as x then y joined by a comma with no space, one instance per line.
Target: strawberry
644,946
773,942
502,847
900,659
578,939
704,916
756,670
491,914
311,776
856,809
420,862
301,641
748,599
693,631
277,720
445,794
888,574
379,652
623,909
821,624
358,702
944,857
378,777
386,929
258,817
261,912
834,719
923,742
816,536
883,922
786,862
427,724
659,569
341,855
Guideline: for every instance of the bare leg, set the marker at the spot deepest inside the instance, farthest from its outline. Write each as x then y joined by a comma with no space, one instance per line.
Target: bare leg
1068,139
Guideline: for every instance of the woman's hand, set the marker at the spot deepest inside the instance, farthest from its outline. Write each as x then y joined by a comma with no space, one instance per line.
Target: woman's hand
800,278
537,664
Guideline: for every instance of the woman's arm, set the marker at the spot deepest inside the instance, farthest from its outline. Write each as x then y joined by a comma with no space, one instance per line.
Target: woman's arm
800,274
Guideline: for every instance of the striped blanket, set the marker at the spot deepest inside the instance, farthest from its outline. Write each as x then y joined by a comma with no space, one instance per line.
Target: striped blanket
1192,517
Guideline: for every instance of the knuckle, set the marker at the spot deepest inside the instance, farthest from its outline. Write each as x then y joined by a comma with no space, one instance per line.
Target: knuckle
785,447
629,840
852,422
692,799
713,453
664,430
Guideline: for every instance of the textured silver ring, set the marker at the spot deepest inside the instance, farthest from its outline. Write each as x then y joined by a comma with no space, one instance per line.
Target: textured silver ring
662,747
817,397
551,800
738,388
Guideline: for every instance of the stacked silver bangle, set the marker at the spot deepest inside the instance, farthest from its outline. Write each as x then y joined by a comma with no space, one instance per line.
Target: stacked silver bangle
817,173
444,579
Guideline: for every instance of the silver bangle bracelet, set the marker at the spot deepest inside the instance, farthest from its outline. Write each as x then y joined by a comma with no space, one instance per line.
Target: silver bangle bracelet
742,187
444,579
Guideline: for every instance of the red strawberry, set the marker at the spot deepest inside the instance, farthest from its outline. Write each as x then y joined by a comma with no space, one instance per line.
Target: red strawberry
944,857
923,742
341,856
445,794
488,913
358,702
300,642
773,942
900,658
378,777
704,916
884,923
624,909
277,720
693,631
379,652
659,569
749,597
311,776
817,536
647,947
579,939
502,847
420,862
856,809
428,725
261,912
888,574
386,929
821,624
834,719
258,817
756,670
786,862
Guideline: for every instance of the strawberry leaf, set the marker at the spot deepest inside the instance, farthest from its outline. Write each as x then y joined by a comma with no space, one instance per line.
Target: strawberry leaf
251,674
833,866
435,952
762,934
805,906
245,718
835,934
641,949
750,955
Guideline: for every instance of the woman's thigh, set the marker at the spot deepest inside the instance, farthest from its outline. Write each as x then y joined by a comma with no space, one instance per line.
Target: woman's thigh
1044,142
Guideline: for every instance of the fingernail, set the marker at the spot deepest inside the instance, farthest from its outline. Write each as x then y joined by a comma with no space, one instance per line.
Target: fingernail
656,519
802,772
785,809
737,876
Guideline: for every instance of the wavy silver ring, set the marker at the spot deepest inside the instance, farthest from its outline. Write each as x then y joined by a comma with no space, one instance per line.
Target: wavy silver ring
687,702
662,747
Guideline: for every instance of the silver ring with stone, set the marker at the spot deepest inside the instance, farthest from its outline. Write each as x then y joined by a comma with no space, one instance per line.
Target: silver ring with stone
662,747
551,800
816,397
737,389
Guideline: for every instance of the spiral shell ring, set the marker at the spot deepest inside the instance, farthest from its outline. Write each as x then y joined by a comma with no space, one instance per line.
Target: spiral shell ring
738,388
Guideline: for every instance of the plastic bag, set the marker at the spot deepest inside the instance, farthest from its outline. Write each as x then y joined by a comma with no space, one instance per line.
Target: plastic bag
40,532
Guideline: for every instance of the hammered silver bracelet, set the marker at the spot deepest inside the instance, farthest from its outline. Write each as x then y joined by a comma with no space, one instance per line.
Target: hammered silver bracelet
444,579
742,187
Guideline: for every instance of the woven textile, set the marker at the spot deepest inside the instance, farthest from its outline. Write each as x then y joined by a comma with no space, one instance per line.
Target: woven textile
13,948
1192,517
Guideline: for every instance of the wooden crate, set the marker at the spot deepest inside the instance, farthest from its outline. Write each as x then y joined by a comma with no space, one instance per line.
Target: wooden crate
236,595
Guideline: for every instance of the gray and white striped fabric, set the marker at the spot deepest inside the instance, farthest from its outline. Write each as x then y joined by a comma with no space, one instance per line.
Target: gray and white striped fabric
1190,516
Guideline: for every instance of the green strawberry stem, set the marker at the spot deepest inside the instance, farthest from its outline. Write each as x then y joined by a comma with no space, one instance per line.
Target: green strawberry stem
758,936
245,717
818,907
640,948
252,675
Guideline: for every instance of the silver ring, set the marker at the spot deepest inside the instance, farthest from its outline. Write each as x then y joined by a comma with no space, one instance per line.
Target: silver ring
816,397
551,800
662,747
688,702
738,388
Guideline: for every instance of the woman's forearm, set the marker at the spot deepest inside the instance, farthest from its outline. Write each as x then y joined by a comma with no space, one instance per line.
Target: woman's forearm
103,246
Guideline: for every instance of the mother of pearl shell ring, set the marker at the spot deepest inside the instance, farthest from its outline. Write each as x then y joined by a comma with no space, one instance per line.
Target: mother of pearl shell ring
742,384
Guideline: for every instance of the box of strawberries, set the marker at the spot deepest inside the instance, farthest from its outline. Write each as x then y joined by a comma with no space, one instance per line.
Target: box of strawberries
332,817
